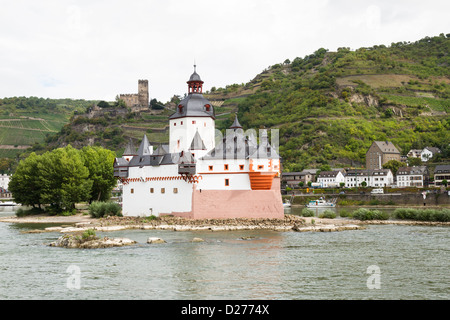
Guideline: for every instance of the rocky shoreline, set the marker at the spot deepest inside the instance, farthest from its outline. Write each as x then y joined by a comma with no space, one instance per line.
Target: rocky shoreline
75,241
73,226
80,223
289,223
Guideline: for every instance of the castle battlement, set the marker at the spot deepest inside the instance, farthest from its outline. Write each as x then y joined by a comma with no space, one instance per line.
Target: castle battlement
128,95
140,99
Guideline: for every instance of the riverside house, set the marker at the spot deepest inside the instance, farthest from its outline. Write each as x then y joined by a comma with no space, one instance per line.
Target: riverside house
292,179
371,177
428,153
414,153
4,181
330,179
441,173
412,177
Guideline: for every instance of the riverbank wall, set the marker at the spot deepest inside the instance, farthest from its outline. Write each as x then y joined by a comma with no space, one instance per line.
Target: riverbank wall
400,199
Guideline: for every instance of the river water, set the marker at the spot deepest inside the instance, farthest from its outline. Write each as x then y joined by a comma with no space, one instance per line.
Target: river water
380,262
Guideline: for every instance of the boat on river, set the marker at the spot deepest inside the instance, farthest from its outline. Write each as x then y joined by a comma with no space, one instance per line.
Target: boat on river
321,203
287,204
8,203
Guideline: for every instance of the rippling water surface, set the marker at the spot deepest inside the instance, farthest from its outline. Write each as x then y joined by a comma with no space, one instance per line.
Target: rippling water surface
413,263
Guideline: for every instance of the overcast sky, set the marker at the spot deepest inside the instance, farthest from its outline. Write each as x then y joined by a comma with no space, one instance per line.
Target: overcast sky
93,49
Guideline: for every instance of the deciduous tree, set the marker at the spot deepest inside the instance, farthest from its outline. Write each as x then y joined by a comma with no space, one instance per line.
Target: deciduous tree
99,162
25,182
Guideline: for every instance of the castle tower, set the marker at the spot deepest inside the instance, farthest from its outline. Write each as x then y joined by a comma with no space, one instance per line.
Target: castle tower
194,116
143,98
140,99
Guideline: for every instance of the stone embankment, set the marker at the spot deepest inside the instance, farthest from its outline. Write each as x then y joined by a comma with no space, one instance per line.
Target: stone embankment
289,223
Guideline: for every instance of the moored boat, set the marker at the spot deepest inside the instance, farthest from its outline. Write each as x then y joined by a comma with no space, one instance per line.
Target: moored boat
8,203
321,203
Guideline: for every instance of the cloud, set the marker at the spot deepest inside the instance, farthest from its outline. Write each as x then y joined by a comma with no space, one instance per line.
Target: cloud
98,49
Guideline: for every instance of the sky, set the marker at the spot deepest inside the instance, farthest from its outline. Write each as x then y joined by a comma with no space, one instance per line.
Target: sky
95,50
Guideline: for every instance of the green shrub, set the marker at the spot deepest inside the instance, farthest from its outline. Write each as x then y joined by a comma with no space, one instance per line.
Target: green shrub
149,218
88,234
24,212
69,212
307,212
344,213
328,214
99,209
441,215
368,214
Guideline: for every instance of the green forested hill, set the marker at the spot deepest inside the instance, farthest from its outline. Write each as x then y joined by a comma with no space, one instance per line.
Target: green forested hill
330,106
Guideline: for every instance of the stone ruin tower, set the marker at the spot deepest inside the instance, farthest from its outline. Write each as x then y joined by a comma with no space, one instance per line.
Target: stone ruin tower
143,98
140,100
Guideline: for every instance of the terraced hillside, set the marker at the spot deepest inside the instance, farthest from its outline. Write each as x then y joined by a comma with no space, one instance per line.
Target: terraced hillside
19,134
25,122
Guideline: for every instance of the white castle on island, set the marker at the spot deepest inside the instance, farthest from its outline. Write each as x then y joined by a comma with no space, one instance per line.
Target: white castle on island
200,174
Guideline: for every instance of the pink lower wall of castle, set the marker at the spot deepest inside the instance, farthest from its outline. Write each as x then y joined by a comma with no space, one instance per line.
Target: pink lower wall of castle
223,204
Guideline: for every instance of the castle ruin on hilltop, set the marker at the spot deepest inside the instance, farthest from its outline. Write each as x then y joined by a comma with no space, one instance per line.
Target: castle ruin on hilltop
137,101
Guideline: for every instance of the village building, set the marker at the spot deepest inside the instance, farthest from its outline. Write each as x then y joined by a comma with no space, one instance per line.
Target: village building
330,179
292,179
381,152
414,153
4,181
194,177
416,176
4,193
371,177
429,152
441,173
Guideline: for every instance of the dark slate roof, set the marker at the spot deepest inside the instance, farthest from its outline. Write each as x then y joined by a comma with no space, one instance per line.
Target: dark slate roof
293,173
120,162
194,105
130,149
236,145
433,150
162,150
153,160
197,142
145,157
327,174
169,158
442,168
412,170
195,77
145,147
364,172
236,124
302,173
